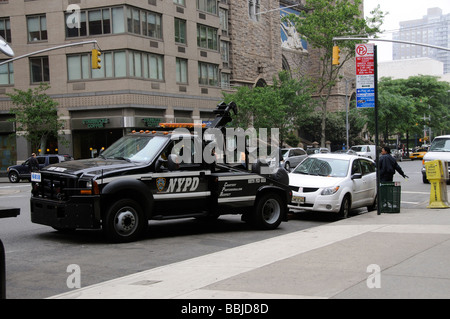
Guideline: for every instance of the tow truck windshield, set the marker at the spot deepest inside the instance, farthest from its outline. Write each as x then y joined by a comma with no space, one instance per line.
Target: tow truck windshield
141,149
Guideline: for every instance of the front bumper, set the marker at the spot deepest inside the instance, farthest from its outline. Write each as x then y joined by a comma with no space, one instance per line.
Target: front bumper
319,203
78,212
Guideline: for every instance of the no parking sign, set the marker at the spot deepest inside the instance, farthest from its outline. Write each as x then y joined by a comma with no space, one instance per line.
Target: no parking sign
365,75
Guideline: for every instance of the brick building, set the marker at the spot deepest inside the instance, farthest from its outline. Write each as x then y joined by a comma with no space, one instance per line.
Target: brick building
162,60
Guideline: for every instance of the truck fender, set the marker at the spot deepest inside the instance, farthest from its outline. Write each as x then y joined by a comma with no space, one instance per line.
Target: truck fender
131,188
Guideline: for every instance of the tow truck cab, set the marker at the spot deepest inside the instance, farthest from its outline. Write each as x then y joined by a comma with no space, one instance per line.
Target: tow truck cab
155,175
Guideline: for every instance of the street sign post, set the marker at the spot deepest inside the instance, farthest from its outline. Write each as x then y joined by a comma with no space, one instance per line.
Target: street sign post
367,91
365,75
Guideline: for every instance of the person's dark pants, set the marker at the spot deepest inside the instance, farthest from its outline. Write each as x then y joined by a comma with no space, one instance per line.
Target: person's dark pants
386,178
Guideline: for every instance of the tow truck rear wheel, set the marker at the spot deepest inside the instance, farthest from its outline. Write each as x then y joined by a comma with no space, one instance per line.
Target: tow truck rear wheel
268,211
124,221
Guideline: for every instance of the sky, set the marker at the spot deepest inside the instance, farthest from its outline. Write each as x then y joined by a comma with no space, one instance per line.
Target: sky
400,10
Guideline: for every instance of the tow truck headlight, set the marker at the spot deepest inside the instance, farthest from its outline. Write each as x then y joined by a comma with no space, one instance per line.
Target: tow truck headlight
329,190
92,188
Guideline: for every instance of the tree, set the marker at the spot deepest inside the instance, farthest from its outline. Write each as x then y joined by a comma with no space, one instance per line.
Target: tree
319,23
433,97
36,115
407,105
280,105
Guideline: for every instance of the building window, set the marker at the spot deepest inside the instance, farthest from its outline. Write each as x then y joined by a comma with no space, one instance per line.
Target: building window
39,70
180,2
224,51
112,20
75,31
254,8
180,31
37,28
223,16
6,73
144,22
146,65
225,81
99,21
206,37
208,74
113,66
181,71
5,29
209,6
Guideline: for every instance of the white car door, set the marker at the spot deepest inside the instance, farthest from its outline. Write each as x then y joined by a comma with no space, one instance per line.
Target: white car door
358,186
369,180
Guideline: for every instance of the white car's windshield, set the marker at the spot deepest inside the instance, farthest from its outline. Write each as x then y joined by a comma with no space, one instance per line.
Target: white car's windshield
323,167
135,148
440,145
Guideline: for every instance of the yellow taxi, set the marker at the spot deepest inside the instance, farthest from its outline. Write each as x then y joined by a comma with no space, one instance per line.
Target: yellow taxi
418,154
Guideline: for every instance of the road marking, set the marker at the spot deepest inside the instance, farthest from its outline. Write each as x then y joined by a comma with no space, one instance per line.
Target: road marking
409,192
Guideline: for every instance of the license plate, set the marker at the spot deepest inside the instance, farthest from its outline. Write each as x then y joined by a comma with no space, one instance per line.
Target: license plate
298,199
36,177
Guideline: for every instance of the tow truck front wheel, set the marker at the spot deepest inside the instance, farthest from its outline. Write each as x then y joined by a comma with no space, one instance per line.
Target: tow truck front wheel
124,221
268,211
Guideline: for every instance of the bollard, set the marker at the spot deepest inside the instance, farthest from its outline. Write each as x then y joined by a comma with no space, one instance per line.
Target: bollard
437,174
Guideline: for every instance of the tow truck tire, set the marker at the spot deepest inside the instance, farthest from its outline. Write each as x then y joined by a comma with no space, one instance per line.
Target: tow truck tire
124,221
268,211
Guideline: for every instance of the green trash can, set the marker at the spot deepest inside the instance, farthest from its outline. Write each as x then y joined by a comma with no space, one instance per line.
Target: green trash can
390,197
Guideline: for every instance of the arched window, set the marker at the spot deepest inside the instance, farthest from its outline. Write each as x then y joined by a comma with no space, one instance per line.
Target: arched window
285,64
261,83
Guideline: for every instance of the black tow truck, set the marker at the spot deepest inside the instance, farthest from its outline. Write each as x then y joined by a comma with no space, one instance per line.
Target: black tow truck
141,177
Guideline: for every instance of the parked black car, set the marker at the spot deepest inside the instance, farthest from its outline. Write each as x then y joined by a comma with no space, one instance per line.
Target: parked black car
22,171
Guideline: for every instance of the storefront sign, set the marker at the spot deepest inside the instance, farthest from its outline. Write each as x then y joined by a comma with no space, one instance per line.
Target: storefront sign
152,121
95,123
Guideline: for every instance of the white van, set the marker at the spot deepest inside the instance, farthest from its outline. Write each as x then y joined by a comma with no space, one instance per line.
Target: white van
365,150
439,150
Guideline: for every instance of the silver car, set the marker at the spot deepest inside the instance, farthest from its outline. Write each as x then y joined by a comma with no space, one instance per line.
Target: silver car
291,157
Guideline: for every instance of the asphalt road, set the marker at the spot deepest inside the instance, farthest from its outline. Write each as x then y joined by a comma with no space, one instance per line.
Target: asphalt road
38,259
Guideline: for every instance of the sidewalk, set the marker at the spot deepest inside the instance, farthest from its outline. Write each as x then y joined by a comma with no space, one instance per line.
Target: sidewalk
405,255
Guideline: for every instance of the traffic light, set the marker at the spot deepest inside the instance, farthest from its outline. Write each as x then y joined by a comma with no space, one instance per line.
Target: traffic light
336,56
96,59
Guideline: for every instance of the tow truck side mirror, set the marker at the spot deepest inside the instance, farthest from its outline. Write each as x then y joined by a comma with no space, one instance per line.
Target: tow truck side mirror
159,163
173,162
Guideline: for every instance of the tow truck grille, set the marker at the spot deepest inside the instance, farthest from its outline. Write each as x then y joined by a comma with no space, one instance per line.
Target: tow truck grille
54,187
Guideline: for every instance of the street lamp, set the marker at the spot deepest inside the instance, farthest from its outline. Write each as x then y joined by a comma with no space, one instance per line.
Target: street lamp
5,48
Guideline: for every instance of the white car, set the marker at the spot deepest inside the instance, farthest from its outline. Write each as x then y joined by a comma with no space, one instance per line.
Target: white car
365,150
439,150
334,183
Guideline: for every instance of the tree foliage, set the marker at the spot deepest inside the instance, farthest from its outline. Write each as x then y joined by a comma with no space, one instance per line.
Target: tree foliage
321,22
280,105
335,127
406,105
35,115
